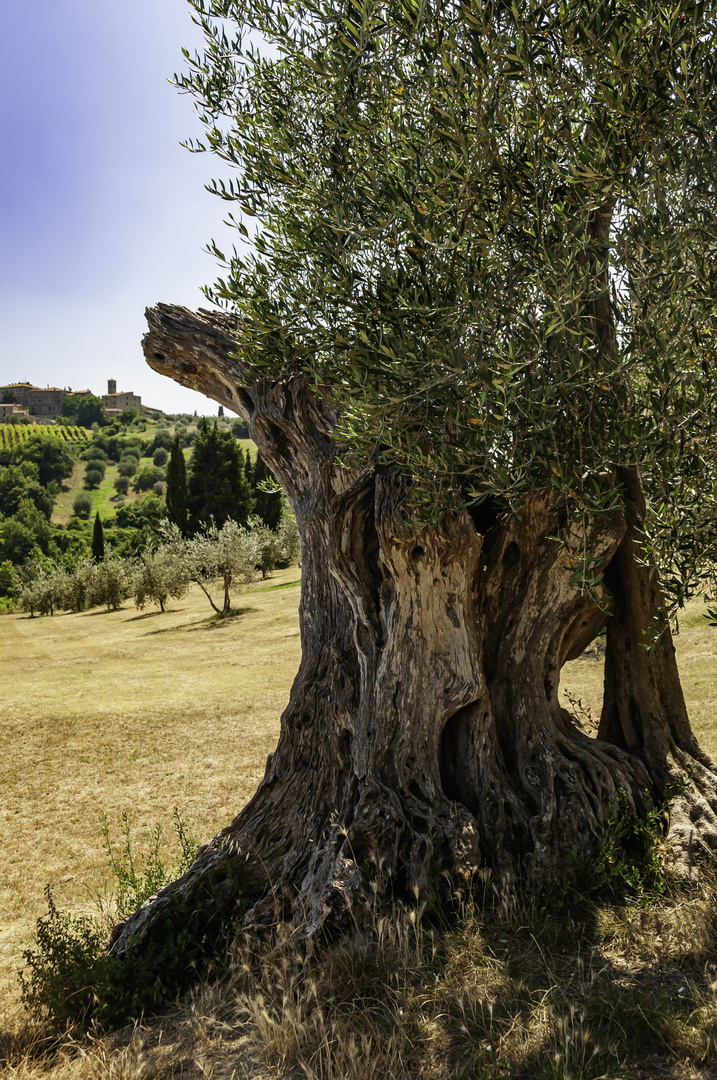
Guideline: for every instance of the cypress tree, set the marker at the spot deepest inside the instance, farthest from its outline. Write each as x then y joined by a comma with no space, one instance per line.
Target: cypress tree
217,487
176,490
98,540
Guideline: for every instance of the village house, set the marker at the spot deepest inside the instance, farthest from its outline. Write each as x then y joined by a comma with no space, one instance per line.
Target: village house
39,402
115,403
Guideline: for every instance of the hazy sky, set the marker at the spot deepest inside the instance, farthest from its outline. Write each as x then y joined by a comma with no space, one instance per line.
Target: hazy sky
102,212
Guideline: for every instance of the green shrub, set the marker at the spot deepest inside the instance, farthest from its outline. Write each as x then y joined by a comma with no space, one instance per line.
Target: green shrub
145,478
94,453
67,979
93,478
160,456
82,505
58,978
121,485
127,465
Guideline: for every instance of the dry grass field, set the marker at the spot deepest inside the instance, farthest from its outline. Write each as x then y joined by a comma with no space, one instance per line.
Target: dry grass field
696,645
138,712
133,712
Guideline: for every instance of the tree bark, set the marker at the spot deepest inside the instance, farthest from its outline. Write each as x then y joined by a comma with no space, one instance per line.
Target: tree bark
424,738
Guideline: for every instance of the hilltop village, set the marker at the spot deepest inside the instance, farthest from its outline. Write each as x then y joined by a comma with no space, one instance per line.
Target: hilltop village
24,399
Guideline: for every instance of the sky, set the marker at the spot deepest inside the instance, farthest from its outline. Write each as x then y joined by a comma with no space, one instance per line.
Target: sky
102,211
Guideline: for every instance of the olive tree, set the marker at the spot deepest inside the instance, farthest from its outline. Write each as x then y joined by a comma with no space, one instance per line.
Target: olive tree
225,557
473,340
159,575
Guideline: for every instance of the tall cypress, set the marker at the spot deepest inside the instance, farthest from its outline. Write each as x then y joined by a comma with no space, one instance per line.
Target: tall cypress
249,470
176,490
217,487
98,540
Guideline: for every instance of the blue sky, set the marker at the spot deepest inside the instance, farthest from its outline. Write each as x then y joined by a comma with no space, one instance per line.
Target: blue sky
102,212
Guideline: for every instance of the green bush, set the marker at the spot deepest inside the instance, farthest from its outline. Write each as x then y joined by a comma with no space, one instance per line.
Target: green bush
82,505
160,456
127,465
67,979
93,478
145,478
94,453
121,485
58,979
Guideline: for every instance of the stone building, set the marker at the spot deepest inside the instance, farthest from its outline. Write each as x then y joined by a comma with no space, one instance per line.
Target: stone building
39,402
11,410
115,403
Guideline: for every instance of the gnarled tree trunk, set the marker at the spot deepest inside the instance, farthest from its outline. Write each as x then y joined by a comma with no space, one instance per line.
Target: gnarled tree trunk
424,735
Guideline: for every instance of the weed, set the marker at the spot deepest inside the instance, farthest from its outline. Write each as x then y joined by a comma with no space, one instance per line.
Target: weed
627,859
136,879
58,976
68,980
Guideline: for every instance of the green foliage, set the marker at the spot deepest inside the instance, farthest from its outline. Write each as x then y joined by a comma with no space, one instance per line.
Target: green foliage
82,504
145,478
111,582
94,476
158,576
8,579
217,488
230,555
94,452
487,231
137,877
53,457
268,502
58,980
159,457
98,539
68,980
162,440
26,534
176,496
627,859
127,465
21,483
84,409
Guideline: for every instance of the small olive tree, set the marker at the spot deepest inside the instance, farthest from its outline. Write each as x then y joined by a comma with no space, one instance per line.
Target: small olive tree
228,556
80,584
45,589
110,582
159,575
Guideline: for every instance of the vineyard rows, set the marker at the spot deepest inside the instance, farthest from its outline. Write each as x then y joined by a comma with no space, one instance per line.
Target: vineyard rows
12,435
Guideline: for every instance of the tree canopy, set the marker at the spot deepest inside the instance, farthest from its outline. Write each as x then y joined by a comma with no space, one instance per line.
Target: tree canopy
489,230
84,409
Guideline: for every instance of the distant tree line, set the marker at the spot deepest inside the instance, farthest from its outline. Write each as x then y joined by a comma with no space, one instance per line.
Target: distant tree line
218,558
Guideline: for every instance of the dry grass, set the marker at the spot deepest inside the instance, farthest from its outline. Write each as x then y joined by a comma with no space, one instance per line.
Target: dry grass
136,712
510,992
696,646
125,711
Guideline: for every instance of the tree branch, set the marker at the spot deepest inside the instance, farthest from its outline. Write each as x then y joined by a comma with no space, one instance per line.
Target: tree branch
198,349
